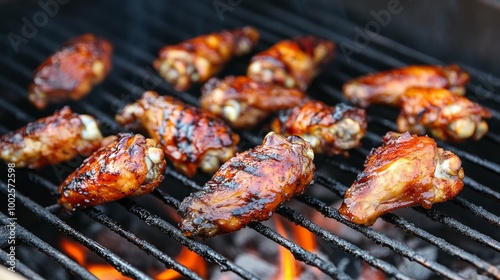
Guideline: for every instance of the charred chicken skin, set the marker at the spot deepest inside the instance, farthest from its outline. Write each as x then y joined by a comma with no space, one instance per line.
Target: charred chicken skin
249,187
198,59
190,137
292,63
329,130
407,170
443,114
132,165
387,87
243,103
51,140
72,71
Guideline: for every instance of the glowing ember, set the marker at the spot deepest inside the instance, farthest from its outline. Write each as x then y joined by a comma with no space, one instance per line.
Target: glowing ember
190,260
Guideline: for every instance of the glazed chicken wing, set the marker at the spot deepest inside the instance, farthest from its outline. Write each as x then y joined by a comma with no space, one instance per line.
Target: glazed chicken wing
132,165
329,130
72,71
249,187
198,59
443,114
243,103
292,63
407,170
51,140
190,137
387,87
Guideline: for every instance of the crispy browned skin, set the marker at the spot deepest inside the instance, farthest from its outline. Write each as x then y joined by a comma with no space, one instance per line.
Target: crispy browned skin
243,103
249,187
407,170
197,60
132,165
329,130
50,140
387,87
292,63
71,72
190,137
443,114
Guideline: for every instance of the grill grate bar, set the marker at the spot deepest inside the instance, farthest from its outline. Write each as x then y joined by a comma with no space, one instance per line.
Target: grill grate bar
294,22
123,266
29,238
478,211
20,267
442,244
380,238
112,225
341,243
432,213
298,252
201,249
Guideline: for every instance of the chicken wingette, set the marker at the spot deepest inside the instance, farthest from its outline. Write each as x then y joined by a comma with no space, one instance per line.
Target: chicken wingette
51,140
132,165
443,114
329,130
292,63
243,103
190,137
249,187
71,72
197,60
407,170
387,87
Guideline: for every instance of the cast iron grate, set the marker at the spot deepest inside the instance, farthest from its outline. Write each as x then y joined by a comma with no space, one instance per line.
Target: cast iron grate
138,30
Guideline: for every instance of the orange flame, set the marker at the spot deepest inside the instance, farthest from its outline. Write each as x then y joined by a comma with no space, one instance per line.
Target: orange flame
190,260
288,268
107,272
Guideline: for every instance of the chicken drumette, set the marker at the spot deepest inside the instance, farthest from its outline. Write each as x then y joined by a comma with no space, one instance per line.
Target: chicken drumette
198,59
292,63
407,170
443,114
72,71
51,140
387,87
190,137
132,165
243,103
249,187
330,130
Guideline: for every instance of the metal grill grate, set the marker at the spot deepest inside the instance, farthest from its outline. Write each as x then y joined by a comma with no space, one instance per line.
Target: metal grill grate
158,23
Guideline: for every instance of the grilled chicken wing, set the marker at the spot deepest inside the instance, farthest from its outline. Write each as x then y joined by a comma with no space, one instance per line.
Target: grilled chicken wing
249,187
243,103
72,71
132,165
330,130
407,170
443,114
190,137
51,140
292,63
198,59
387,87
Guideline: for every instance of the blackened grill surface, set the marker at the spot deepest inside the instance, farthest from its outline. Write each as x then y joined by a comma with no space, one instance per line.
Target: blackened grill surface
138,30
